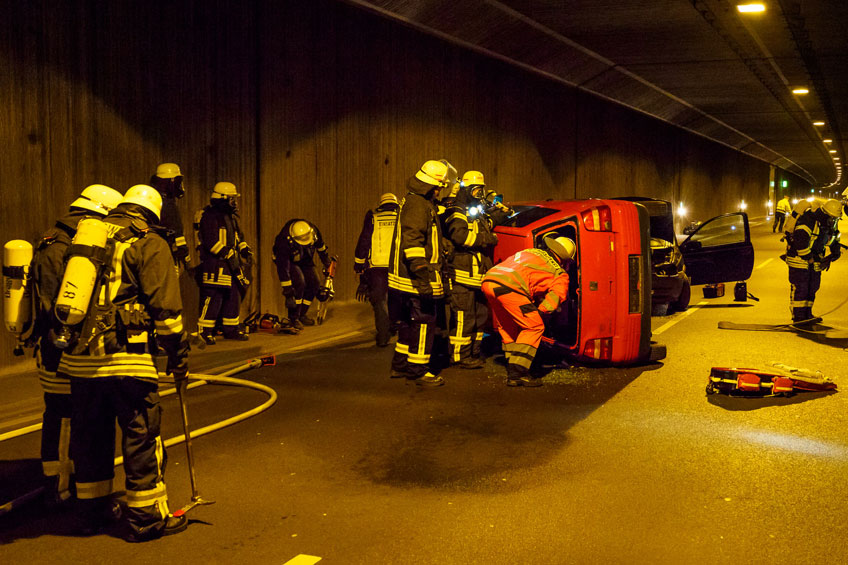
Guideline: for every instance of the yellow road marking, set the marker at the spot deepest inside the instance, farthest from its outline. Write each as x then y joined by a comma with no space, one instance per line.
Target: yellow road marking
303,559
764,263
667,325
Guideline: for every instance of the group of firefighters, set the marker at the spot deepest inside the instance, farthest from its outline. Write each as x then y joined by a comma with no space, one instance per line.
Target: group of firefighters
425,264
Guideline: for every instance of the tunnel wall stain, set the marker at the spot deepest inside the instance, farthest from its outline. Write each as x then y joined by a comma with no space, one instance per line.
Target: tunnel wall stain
313,109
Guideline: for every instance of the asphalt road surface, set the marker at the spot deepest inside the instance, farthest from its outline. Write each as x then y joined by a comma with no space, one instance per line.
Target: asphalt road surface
614,465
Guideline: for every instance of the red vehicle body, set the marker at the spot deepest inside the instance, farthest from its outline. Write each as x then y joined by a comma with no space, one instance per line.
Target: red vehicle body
607,317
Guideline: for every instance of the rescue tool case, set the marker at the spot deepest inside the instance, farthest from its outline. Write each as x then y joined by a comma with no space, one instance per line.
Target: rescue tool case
714,290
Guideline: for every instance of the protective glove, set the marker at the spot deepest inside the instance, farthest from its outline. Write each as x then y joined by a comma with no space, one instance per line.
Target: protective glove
463,197
420,271
497,215
178,367
288,291
359,268
323,294
362,290
246,252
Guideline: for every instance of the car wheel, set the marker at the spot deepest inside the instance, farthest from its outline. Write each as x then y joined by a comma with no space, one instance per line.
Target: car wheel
682,302
659,309
657,352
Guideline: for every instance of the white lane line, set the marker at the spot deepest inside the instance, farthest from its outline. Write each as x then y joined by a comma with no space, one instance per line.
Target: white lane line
667,325
764,263
303,559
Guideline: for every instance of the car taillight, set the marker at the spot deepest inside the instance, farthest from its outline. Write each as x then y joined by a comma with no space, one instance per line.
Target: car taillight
597,219
634,285
598,348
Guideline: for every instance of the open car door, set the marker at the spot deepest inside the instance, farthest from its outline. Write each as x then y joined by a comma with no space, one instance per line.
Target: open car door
720,250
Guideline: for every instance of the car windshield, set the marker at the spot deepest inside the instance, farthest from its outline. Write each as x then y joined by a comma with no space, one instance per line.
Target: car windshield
526,215
663,227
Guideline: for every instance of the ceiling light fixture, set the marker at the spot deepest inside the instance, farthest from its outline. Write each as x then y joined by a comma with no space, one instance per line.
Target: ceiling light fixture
751,8
819,123
800,91
832,151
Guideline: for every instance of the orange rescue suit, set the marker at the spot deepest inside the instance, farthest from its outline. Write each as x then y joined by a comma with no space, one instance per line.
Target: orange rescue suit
520,288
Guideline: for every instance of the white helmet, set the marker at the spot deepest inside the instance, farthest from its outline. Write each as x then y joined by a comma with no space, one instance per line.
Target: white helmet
388,198
224,190
168,171
302,232
98,198
562,247
145,196
832,208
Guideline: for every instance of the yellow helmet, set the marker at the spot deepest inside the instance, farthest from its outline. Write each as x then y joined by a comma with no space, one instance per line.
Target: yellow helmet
302,232
832,208
562,247
145,196
168,171
224,190
98,198
388,198
473,178
433,173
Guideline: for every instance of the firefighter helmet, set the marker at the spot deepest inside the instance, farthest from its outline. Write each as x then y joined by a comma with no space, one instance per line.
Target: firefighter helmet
145,196
302,232
433,173
832,208
473,178
224,190
388,198
168,171
98,198
562,247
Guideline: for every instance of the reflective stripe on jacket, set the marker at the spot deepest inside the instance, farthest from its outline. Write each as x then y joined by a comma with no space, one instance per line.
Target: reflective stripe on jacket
417,235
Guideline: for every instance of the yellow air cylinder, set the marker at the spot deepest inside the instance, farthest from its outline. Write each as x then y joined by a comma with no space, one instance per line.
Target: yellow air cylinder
17,294
81,272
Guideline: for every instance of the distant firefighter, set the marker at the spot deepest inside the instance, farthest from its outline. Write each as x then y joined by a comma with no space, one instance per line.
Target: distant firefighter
371,262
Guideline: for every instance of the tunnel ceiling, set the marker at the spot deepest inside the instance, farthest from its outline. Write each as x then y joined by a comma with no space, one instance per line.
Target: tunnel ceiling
698,64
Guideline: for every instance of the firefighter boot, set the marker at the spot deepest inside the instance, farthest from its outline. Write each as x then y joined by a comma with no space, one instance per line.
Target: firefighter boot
471,363
173,525
208,336
97,514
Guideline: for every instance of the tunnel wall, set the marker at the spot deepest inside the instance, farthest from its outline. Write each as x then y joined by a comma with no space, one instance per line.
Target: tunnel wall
313,109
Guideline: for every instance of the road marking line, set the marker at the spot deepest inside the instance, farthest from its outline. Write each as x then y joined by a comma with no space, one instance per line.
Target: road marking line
764,263
667,325
303,559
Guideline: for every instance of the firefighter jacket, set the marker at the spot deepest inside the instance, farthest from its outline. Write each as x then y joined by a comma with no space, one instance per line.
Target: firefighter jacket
288,252
535,274
415,262
473,243
783,206
137,309
814,241
221,246
375,239
172,226
47,269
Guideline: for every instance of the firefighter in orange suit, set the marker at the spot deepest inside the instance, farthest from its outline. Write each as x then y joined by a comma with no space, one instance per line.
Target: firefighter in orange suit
520,290
415,279
137,310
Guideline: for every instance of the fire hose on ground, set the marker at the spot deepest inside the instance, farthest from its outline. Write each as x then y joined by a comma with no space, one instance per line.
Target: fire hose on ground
197,380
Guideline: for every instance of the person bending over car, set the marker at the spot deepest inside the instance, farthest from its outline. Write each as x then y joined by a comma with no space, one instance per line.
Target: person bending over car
520,290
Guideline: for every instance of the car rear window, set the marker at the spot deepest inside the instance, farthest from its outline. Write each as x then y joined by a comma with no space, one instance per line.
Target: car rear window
526,215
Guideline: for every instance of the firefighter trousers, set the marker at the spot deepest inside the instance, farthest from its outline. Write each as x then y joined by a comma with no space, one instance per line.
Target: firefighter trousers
469,314
378,290
98,402
519,324
416,318
304,279
56,462
222,303
803,286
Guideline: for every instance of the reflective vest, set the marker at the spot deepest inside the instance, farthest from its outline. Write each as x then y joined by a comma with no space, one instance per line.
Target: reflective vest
381,237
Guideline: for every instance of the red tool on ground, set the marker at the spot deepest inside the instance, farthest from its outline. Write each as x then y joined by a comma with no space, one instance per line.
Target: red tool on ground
757,383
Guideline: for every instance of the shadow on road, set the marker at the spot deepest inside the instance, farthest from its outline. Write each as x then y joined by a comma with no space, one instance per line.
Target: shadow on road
737,403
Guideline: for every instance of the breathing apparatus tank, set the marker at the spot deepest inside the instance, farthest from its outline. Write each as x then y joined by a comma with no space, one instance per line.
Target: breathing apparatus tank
82,270
17,290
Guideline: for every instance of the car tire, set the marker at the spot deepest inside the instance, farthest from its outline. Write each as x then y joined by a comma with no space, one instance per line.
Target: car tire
657,353
682,302
659,309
